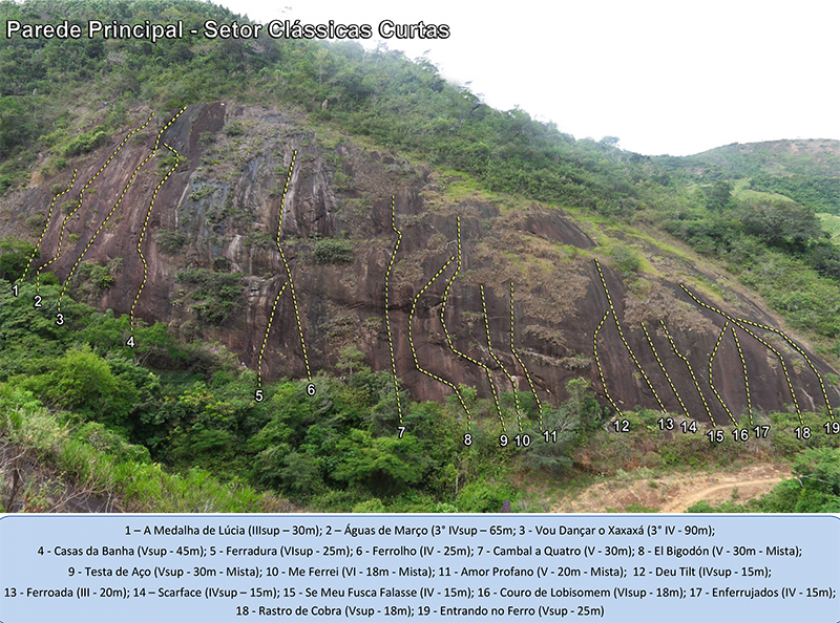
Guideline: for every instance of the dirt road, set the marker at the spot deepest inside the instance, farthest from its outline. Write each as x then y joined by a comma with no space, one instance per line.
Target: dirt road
674,493
746,489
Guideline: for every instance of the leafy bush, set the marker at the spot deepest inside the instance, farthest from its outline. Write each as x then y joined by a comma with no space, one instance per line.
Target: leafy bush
573,422
83,381
14,255
780,221
86,142
215,296
170,241
625,259
99,277
103,461
374,505
485,497
333,251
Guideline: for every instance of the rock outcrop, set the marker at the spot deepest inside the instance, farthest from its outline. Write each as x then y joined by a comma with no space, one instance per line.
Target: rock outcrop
641,339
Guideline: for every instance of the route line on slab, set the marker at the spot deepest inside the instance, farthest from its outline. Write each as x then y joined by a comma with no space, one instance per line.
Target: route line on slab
289,270
598,362
522,363
143,235
81,196
267,331
690,371
496,359
735,322
621,335
388,305
664,371
711,376
414,350
46,226
746,377
448,337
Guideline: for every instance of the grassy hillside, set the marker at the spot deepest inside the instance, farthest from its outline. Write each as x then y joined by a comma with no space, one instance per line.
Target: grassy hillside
805,171
50,108
181,408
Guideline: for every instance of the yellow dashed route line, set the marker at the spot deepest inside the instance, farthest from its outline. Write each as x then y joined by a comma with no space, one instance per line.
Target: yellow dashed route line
388,305
166,127
664,371
746,378
521,363
46,226
448,337
621,335
100,228
289,270
690,371
81,195
119,201
496,359
267,331
801,352
711,378
143,235
598,362
414,351
735,322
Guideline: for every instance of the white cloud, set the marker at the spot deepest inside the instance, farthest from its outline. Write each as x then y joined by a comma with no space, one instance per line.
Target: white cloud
675,77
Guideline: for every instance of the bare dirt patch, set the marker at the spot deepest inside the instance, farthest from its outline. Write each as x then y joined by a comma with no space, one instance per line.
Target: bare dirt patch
674,493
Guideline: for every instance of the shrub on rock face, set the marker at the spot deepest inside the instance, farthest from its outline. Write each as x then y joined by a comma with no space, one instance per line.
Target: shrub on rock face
170,241
332,251
215,295
625,259
14,255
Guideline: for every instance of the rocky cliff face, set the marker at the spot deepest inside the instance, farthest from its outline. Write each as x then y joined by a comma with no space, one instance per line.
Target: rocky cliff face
528,297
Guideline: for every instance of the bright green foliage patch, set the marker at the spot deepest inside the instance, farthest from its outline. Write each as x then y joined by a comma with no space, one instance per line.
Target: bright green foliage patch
215,295
333,251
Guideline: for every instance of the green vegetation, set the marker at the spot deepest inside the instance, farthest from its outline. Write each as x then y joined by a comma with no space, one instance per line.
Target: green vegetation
99,278
173,426
333,251
85,142
821,194
80,399
719,196
830,223
105,462
170,241
625,259
14,255
186,434
780,223
815,488
215,295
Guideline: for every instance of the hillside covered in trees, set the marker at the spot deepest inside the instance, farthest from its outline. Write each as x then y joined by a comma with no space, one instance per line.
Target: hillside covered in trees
249,275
